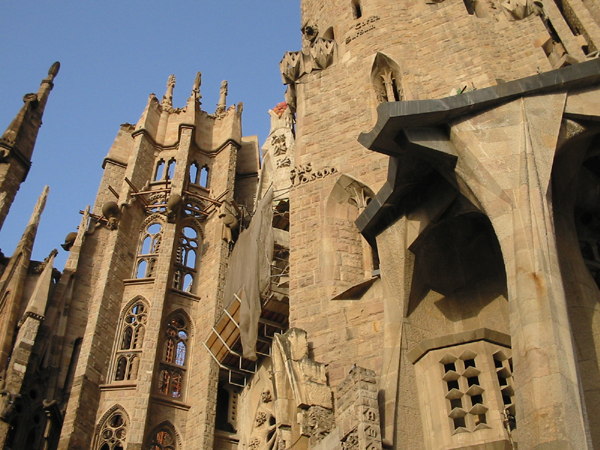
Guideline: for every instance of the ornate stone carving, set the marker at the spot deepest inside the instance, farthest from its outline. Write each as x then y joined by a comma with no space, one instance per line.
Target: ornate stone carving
167,100
318,423
222,105
317,55
350,441
285,162
197,84
264,436
279,144
302,174
358,414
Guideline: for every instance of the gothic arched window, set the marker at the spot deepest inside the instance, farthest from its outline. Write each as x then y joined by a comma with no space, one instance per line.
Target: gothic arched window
113,432
163,440
148,253
130,342
160,170
194,173
387,80
174,358
186,260
171,169
204,177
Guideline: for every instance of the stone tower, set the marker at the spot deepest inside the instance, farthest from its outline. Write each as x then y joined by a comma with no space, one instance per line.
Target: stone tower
152,268
17,142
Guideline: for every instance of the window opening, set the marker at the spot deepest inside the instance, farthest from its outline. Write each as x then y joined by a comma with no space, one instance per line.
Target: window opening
113,433
160,170
186,260
170,169
194,173
356,10
204,177
132,339
462,386
171,377
148,253
163,440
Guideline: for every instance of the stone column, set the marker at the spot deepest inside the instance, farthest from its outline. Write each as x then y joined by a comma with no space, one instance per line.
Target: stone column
358,411
505,158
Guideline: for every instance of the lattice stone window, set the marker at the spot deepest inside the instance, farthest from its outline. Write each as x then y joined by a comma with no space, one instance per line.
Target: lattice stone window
186,260
174,358
113,432
468,384
130,342
163,440
504,370
148,253
464,392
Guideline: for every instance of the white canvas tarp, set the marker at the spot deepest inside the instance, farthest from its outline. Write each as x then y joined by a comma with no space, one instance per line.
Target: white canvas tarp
249,272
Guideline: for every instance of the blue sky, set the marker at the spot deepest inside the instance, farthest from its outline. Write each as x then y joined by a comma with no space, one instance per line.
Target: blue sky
113,55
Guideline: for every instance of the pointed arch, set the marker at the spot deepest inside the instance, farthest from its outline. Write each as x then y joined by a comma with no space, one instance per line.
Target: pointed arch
386,78
149,246
112,429
159,170
127,348
346,257
188,255
153,439
174,345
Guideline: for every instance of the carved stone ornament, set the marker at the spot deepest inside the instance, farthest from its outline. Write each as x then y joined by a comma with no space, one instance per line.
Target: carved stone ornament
318,423
264,436
317,56
285,162
350,442
279,144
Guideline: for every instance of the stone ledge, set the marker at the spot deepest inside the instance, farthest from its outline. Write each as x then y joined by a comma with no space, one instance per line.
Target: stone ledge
130,281
480,334
169,402
116,386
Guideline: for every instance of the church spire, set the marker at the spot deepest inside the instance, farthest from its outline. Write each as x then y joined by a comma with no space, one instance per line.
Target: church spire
18,141
13,280
36,307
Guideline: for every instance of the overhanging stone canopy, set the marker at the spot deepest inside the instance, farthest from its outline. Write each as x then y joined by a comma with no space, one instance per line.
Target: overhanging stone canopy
500,164
417,125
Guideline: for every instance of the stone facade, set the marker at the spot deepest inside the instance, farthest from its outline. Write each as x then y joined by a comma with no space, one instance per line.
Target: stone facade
412,264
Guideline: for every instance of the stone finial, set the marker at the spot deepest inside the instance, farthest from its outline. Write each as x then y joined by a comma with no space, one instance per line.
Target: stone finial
167,99
197,83
222,105
39,207
54,68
